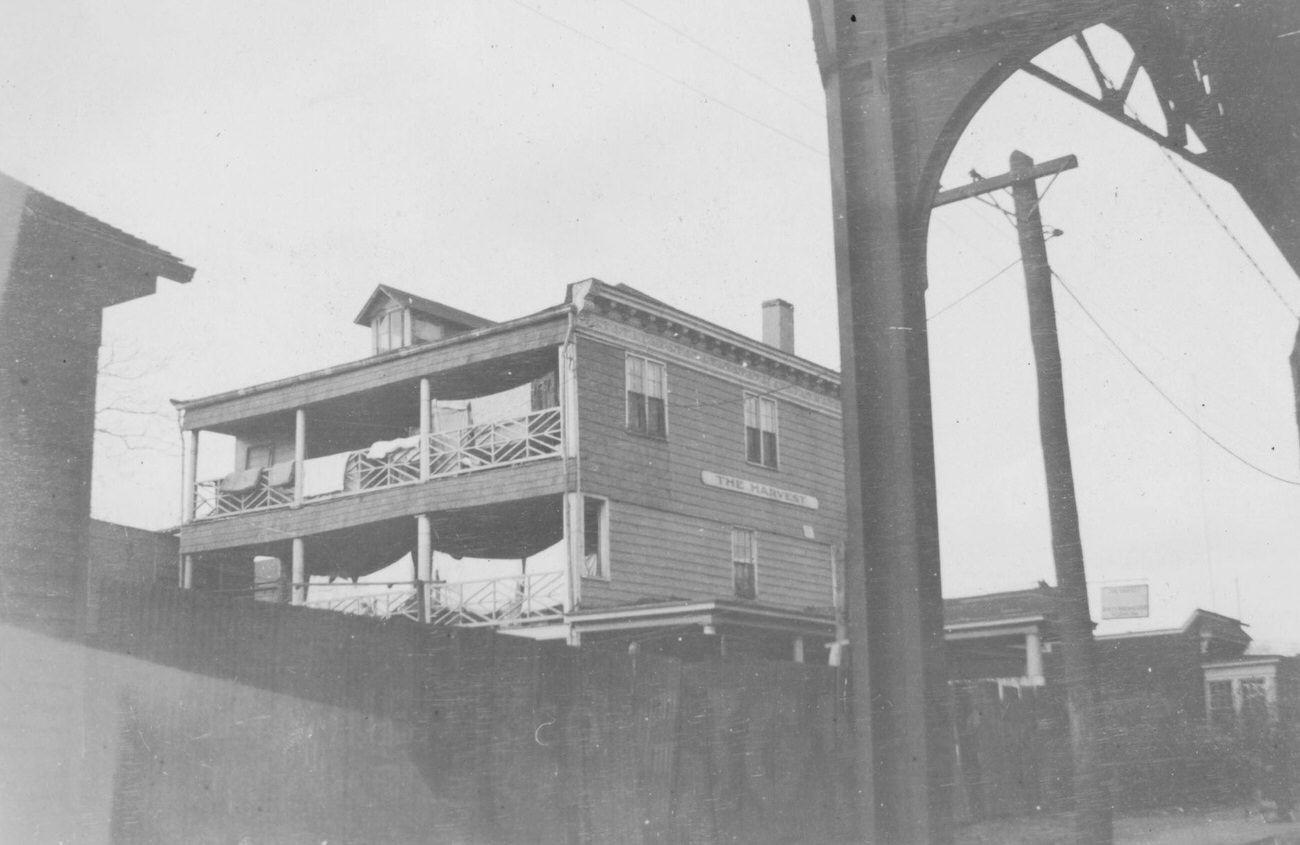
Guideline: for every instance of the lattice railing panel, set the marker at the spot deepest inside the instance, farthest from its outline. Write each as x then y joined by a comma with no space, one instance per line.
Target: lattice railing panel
510,600
211,501
355,599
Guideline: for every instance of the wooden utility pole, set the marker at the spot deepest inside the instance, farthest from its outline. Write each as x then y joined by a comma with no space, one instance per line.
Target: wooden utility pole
1093,825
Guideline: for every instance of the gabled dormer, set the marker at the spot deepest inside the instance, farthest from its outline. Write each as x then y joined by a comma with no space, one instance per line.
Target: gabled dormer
397,319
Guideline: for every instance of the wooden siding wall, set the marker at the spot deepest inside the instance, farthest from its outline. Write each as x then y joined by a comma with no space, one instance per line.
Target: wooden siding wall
670,534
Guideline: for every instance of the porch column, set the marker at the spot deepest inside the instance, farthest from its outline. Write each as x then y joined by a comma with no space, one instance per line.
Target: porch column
568,390
187,572
423,548
423,561
573,536
1033,655
425,431
189,474
299,453
298,574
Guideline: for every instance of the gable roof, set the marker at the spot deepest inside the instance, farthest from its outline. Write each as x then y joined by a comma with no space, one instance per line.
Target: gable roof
440,312
1038,602
47,209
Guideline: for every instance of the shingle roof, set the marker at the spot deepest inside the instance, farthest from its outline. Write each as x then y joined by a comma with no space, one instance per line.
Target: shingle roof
996,607
47,208
423,306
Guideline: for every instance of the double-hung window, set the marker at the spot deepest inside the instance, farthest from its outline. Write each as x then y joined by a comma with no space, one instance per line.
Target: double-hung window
744,562
647,389
760,430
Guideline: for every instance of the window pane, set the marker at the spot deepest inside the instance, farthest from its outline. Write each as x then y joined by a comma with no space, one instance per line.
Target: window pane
636,374
753,445
259,456
656,422
654,380
751,412
745,581
769,448
767,420
636,411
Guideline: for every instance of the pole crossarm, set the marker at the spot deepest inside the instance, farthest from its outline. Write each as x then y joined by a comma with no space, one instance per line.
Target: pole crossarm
1006,180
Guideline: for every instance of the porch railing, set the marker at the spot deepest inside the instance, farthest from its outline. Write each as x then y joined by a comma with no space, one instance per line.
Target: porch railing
511,600
490,602
474,448
495,444
358,599
211,501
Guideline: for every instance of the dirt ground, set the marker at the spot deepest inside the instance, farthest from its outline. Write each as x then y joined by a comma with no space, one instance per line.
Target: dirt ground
1221,826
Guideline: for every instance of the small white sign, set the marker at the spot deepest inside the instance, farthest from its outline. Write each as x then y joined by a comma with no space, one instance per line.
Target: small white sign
754,488
1129,601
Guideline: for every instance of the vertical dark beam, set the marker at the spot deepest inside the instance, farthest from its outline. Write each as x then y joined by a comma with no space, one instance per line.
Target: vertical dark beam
892,555
1092,823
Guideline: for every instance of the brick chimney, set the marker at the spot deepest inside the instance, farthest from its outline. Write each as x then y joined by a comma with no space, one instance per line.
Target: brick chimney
778,324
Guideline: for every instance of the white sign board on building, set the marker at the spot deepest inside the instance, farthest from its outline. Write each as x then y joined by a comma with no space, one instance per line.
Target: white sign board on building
757,488
1126,601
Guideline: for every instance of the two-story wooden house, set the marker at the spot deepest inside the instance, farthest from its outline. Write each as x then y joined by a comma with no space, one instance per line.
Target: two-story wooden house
611,470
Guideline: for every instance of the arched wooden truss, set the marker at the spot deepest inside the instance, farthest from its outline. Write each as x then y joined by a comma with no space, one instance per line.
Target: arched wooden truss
903,78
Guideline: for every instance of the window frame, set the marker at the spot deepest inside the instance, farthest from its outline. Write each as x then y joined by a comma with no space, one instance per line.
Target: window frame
401,316
752,562
628,420
603,570
270,455
759,400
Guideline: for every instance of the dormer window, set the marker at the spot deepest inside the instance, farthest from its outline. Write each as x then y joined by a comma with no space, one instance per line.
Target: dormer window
390,330
398,319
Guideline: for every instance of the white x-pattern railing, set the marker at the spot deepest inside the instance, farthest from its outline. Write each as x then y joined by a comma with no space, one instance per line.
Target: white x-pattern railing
210,500
359,600
474,448
494,602
495,444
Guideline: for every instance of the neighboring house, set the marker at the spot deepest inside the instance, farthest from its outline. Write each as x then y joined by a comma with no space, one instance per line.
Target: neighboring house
1001,637
610,470
1199,669
1170,662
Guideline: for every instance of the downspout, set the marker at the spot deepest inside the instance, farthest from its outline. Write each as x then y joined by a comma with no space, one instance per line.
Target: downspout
569,359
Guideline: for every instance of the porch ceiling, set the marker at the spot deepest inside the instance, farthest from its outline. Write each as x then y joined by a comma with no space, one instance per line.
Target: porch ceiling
385,406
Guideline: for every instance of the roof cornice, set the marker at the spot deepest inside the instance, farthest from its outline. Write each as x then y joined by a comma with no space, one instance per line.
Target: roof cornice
651,315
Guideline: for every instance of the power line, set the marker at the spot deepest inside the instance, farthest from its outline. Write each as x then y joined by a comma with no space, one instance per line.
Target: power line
1224,226
688,86
959,300
698,43
1163,395
1132,112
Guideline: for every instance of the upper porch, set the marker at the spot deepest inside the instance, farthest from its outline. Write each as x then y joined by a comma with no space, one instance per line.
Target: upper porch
478,402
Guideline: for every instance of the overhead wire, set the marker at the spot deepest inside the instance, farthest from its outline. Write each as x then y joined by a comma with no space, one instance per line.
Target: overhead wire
698,43
683,83
1133,113
1231,235
1161,392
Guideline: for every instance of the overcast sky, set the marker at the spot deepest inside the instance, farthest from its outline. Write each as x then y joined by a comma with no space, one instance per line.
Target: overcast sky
487,152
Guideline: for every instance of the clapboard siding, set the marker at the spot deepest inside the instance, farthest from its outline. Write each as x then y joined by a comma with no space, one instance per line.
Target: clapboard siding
661,555
504,484
669,532
408,365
